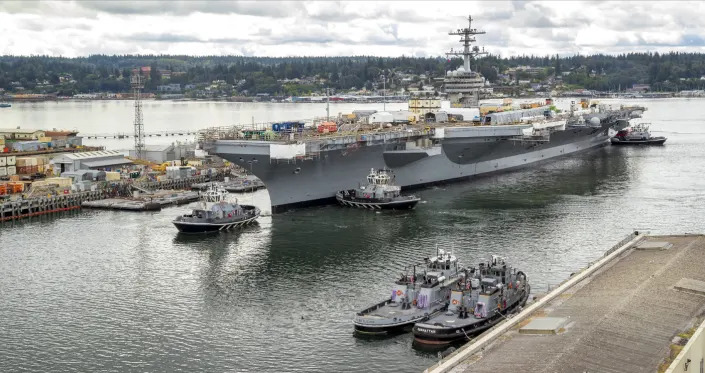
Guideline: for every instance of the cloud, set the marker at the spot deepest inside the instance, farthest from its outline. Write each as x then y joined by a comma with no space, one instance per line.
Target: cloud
148,7
267,28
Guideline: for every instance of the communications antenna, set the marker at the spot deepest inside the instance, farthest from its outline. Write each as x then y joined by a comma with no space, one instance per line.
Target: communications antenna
137,85
467,37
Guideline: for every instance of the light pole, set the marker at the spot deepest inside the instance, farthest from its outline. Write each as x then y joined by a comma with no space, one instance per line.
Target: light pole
384,93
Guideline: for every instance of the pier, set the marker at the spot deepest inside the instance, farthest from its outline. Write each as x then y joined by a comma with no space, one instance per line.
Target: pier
25,208
126,135
148,202
239,185
623,313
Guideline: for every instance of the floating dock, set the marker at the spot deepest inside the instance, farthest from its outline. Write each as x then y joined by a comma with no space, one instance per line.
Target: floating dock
234,186
621,314
150,202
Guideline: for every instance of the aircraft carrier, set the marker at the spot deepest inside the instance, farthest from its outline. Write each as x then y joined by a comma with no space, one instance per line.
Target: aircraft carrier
306,165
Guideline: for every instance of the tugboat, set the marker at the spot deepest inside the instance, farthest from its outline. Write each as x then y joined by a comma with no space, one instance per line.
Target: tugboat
478,301
416,296
221,215
637,135
379,193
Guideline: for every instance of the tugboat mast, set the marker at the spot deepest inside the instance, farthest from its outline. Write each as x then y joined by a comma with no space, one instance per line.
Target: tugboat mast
467,36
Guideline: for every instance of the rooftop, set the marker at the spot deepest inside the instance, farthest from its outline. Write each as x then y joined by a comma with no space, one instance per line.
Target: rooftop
18,130
96,154
157,148
620,318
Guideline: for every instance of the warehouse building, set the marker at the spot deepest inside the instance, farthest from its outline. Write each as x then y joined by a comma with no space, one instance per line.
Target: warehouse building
104,160
21,134
163,153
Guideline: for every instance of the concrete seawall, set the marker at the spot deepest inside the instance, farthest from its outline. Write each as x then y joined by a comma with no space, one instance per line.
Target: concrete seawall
619,314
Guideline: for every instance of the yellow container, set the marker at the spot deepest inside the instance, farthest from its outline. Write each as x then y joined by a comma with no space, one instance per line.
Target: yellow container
112,176
53,181
45,139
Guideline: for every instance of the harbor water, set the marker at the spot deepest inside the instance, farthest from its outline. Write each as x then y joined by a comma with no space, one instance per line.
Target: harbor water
122,291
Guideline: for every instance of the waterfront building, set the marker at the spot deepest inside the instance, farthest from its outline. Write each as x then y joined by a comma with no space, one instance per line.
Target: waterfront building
98,160
174,87
21,133
163,153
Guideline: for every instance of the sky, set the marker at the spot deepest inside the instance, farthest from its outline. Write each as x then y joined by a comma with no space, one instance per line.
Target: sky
329,28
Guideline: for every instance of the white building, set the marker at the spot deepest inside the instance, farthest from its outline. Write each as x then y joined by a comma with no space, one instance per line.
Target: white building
99,160
162,153
174,87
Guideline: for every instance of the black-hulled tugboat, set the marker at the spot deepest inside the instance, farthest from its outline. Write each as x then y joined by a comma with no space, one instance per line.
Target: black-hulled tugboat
216,214
637,135
478,301
379,193
416,296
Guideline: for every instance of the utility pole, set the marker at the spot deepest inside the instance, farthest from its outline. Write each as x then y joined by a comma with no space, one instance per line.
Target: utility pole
327,104
384,93
137,85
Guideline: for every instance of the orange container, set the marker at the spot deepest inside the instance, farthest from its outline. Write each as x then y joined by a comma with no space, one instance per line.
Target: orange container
3,189
16,187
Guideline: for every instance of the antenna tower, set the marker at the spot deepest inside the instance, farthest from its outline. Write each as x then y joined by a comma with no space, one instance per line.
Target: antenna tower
137,85
467,37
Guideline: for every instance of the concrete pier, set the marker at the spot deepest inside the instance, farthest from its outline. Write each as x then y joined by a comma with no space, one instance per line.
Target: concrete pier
621,315
145,203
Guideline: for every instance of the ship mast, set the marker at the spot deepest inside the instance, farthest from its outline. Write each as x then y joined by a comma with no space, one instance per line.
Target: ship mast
467,36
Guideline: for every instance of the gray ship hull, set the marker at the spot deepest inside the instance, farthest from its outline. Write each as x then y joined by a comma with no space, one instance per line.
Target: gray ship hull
309,180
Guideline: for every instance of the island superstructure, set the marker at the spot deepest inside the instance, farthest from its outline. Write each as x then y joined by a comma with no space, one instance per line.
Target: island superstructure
306,163
463,85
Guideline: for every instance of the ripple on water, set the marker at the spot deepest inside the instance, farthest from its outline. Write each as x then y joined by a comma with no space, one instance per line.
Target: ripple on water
116,291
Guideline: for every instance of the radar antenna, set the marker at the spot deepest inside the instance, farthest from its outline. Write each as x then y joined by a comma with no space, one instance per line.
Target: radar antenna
467,37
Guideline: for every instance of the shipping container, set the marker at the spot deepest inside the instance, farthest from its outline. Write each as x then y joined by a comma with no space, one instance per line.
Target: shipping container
11,160
62,182
327,127
45,139
26,146
3,161
11,170
26,170
26,161
15,187
58,143
112,176
3,171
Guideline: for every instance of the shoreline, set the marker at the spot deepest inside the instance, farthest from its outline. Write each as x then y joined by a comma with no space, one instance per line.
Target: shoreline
532,97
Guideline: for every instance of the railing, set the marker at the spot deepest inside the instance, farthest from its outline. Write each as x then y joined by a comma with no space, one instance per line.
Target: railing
263,131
